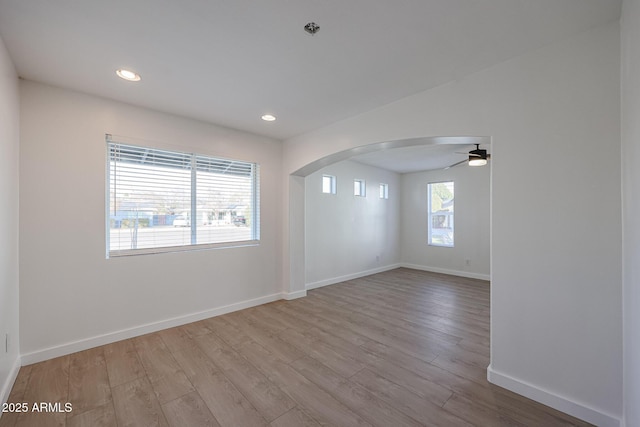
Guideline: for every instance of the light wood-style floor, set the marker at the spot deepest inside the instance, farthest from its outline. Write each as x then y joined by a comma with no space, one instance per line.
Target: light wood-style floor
400,348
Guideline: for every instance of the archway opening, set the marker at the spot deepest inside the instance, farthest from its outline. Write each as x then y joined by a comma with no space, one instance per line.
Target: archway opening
298,198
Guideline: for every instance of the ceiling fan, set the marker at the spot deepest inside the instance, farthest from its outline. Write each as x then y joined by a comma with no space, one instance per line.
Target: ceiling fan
477,157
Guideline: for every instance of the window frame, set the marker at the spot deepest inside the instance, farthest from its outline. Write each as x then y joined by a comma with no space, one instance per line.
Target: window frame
384,191
430,215
359,188
254,176
333,184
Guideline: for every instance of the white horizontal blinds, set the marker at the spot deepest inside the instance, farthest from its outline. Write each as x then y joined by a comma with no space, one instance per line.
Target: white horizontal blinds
256,202
168,199
149,189
225,200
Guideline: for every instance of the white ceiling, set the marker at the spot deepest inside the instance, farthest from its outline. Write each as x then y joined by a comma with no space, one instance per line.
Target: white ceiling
417,158
230,61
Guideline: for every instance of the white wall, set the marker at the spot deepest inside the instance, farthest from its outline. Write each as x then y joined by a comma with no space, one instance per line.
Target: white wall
556,227
348,236
472,203
71,297
630,90
9,155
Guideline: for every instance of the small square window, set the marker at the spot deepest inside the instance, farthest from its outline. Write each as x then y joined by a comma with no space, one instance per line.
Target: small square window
359,188
384,191
328,184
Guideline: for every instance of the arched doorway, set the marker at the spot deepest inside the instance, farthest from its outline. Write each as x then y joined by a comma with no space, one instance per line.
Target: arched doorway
294,247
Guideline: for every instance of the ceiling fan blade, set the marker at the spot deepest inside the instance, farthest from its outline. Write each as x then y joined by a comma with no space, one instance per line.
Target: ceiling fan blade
488,156
471,154
456,164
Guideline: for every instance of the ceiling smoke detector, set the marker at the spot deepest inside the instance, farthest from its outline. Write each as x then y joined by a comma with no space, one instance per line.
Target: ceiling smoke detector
312,28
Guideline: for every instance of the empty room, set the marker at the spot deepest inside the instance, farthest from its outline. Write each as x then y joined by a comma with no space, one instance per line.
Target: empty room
307,213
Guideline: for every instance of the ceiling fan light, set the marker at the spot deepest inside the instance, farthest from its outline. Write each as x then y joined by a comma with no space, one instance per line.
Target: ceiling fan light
477,161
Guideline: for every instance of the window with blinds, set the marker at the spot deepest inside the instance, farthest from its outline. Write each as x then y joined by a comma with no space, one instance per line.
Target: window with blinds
162,201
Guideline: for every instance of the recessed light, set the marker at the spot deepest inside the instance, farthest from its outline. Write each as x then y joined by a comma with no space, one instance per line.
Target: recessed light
128,75
268,118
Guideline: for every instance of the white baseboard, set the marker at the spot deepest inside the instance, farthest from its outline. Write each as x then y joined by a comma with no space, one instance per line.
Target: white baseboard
84,344
11,378
334,280
293,295
553,400
460,273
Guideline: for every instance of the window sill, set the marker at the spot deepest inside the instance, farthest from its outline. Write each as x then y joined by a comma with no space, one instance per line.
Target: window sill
187,248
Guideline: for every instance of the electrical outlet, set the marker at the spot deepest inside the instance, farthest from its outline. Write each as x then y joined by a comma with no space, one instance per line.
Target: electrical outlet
378,259
467,262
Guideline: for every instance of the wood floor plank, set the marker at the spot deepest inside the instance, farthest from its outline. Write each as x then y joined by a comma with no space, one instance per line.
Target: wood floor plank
89,386
189,410
323,407
342,363
258,315
463,363
48,382
422,387
374,410
275,369
474,345
412,404
390,359
525,411
123,364
228,332
177,339
196,365
10,419
347,348
196,329
271,313
268,399
304,312
409,342
20,385
101,416
399,326
266,337
226,403
165,375
136,404
295,418
479,414
417,320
